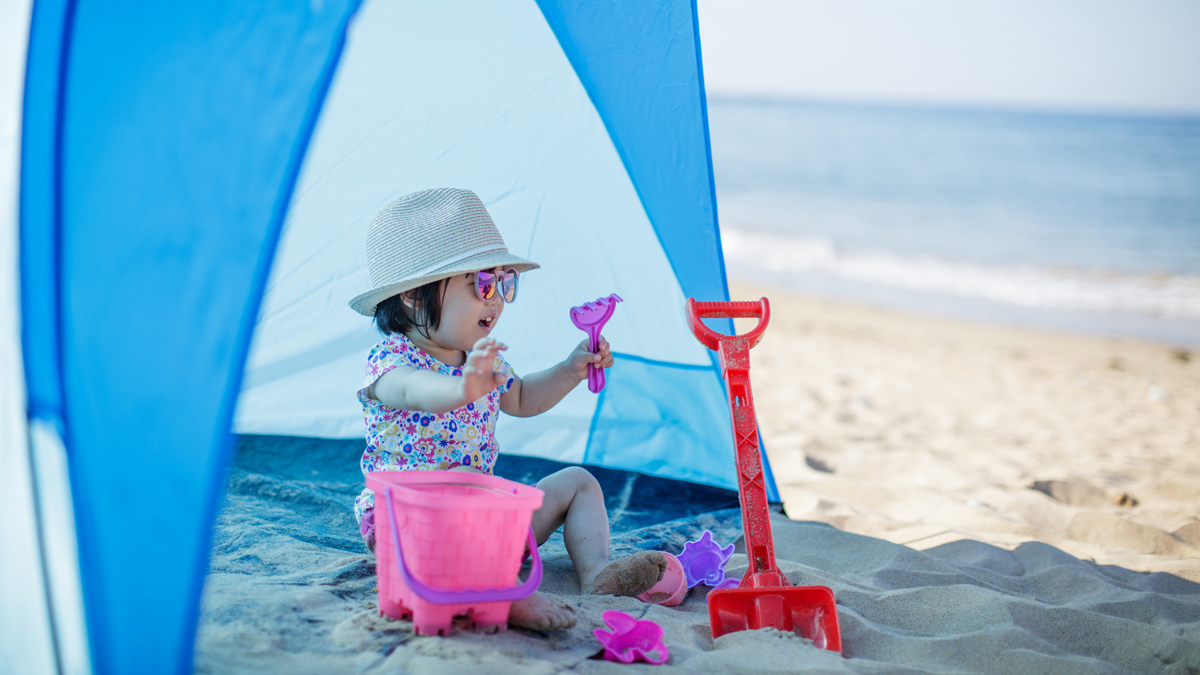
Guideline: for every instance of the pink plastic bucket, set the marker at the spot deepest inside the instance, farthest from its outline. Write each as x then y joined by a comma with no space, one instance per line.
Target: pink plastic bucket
449,544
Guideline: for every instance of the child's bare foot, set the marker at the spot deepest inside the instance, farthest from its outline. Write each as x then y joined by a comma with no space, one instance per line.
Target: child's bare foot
540,612
630,576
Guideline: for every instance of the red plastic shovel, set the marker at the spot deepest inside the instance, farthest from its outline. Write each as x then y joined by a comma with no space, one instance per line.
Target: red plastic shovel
765,598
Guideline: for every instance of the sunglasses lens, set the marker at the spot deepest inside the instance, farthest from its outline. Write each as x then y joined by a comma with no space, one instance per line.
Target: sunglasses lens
510,285
485,285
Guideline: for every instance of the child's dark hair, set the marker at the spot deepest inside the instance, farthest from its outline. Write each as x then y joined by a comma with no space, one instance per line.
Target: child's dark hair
392,316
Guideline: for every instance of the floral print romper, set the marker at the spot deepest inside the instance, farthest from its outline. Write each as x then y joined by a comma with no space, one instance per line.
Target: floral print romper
411,440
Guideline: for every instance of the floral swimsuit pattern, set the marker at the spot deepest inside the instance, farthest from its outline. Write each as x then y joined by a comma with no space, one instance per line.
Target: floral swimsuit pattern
412,440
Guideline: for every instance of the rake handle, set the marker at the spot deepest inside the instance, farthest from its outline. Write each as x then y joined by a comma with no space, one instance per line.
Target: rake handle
595,373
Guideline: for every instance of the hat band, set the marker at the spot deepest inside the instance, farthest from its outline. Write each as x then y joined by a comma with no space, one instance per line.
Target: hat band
459,258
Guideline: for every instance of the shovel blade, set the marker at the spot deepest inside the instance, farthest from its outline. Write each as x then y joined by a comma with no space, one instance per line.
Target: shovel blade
808,611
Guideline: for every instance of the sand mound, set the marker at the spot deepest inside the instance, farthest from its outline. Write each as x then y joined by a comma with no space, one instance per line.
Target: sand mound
1083,494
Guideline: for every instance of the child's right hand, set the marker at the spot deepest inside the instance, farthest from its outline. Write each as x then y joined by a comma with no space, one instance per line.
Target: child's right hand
579,360
479,376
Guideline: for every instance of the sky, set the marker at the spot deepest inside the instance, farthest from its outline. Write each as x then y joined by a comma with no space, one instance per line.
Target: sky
1089,55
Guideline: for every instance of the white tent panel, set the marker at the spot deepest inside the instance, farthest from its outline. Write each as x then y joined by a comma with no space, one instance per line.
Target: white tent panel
62,552
26,641
427,96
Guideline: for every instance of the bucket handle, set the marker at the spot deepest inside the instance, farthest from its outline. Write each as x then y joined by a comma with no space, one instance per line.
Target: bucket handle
442,596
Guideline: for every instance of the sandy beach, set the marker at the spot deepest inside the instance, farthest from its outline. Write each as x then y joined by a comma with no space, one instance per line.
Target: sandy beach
923,430
980,500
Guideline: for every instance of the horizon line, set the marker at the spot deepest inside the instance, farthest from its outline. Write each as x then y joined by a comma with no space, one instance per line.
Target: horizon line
773,98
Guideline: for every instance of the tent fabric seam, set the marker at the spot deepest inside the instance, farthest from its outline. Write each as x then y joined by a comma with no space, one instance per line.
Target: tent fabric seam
664,364
56,417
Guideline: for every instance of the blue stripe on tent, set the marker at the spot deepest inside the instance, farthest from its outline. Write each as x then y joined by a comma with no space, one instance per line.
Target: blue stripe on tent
39,249
182,130
39,227
647,91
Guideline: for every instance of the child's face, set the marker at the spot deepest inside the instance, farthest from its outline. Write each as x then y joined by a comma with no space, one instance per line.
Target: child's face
466,318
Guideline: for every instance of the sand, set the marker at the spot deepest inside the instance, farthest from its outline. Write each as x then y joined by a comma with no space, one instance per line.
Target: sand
979,499
924,431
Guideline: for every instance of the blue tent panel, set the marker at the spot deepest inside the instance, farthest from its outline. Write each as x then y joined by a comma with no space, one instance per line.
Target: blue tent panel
682,434
159,166
638,428
640,64
39,205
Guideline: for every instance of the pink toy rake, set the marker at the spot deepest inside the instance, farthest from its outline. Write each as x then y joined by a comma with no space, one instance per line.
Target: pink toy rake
590,317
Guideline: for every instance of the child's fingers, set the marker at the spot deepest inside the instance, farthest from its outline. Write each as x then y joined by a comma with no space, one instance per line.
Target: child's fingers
483,354
602,360
475,359
489,344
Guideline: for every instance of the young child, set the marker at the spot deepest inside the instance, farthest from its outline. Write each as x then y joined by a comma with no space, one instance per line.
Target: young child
436,383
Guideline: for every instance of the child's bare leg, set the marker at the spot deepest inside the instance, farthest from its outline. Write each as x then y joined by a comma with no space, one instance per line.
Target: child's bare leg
575,501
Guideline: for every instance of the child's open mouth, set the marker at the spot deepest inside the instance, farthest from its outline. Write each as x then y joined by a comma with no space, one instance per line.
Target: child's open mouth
486,324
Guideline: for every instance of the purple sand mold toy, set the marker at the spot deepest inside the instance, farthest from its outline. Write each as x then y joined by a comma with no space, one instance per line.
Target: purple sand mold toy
704,562
631,639
590,317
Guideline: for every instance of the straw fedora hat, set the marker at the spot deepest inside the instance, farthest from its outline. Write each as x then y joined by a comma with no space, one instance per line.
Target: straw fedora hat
428,236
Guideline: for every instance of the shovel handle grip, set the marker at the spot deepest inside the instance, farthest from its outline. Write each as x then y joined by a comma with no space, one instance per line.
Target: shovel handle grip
710,338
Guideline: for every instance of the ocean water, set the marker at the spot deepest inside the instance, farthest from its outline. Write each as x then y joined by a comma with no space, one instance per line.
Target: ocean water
1080,222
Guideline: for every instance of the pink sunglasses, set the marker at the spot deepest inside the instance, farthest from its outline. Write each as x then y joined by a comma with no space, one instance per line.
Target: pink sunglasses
487,283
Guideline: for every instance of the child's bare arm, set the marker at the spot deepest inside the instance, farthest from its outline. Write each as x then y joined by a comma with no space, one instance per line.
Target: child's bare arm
408,388
539,392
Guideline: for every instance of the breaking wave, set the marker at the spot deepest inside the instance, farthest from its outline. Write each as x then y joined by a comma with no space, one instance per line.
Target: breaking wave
1170,296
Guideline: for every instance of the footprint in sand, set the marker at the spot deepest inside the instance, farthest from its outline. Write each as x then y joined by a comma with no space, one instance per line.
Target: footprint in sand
1082,494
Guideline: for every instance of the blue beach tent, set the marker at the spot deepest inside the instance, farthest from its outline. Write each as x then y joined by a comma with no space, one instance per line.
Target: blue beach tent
184,190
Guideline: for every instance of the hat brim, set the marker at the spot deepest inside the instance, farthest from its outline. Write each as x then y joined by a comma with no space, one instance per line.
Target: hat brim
366,303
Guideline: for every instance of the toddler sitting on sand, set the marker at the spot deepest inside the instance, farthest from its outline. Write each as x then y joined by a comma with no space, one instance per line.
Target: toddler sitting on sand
436,383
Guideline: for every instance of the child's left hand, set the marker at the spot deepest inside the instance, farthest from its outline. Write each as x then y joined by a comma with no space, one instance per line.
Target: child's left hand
579,359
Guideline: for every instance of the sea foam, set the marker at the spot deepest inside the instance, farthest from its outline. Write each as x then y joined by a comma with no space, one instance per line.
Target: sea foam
1169,296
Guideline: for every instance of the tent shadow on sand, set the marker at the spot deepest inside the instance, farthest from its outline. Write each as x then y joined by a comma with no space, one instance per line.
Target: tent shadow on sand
292,590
